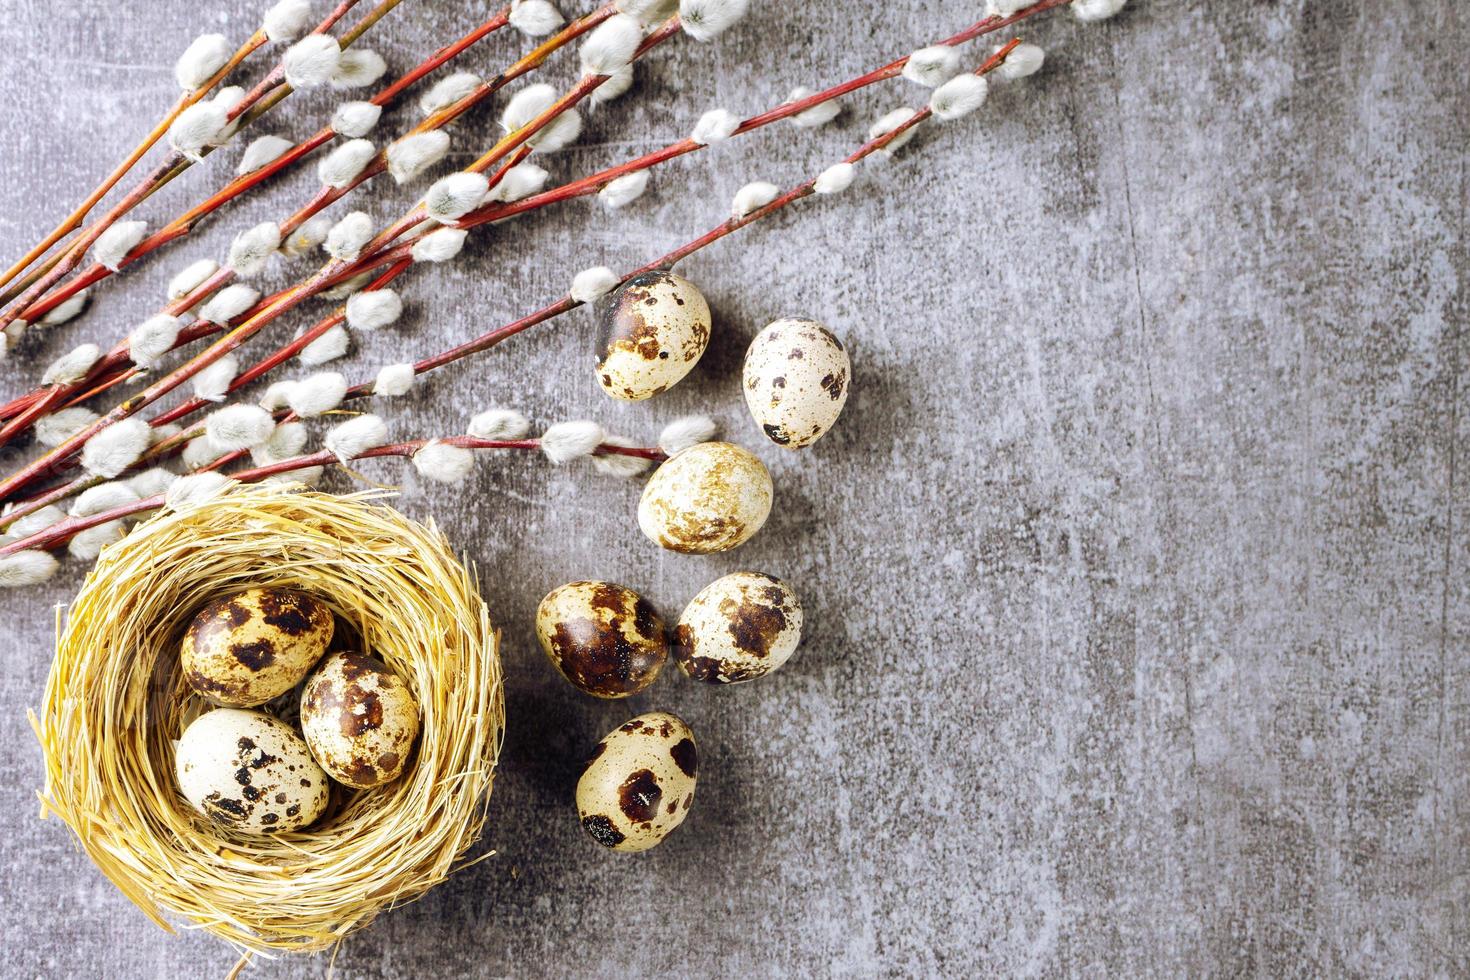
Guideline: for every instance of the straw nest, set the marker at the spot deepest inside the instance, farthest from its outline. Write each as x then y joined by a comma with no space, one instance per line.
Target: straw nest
116,700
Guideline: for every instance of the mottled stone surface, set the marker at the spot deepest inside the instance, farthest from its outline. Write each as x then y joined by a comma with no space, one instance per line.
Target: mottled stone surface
1135,571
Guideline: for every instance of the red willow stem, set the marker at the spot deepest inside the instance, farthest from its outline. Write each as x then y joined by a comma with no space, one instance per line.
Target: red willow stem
62,531
173,165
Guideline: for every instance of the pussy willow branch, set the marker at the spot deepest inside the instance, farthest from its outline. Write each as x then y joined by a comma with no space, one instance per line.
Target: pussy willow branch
63,531
171,167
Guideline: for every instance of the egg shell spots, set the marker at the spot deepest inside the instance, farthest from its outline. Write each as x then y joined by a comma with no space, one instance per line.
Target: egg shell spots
249,771
606,640
738,628
639,784
711,497
359,719
796,381
651,332
245,649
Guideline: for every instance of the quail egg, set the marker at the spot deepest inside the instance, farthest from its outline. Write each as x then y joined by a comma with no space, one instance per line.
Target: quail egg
249,770
740,627
605,639
651,332
245,649
710,497
359,719
796,380
639,784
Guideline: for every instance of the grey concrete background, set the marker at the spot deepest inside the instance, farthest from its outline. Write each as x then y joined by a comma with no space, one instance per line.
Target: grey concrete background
1135,570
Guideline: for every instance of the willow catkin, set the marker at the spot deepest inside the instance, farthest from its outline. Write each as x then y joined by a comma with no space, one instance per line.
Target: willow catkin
115,701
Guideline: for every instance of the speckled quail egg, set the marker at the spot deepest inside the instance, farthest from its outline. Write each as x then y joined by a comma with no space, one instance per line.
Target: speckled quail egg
245,649
249,770
796,381
359,719
605,639
710,497
639,784
740,627
651,332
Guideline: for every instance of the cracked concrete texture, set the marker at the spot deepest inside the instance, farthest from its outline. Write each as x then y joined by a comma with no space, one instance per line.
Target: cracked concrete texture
1135,570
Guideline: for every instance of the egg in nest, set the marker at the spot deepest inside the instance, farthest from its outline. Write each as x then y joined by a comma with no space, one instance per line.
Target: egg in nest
250,771
360,720
246,649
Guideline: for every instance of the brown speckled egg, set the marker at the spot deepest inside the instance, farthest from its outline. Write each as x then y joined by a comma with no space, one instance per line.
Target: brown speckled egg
740,627
246,649
710,497
605,639
796,381
249,770
651,332
360,720
639,784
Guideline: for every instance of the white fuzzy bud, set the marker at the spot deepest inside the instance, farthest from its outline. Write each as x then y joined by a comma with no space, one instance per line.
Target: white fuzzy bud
959,97
312,61
229,303
520,181
818,115
753,196
1095,10
394,380
202,60
611,46
87,545
647,11
447,91
562,131
201,452
443,463
1024,59
165,432
593,283
344,164
703,20
152,482
25,568
933,66
253,247
412,155
715,126
355,119
348,236
535,18
116,447
624,190
102,498
62,312
439,246
35,522
191,277
1004,8
358,67
356,436
277,396
890,121
308,236
287,20
261,151
306,476
618,465
529,103
202,125
567,441
72,366
456,195
227,99
197,488
286,442
114,244
54,429
239,426
152,339
332,344
616,86
213,383
684,432
318,394
373,309
835,179
345,289
500,424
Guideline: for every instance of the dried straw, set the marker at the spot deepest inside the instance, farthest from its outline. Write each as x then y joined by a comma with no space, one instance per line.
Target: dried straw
116,700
